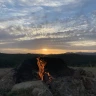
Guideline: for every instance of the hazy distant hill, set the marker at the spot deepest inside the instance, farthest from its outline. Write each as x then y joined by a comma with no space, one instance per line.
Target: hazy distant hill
85,53
72,59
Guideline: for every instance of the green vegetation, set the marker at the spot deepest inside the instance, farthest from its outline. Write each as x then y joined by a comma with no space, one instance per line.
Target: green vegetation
71,59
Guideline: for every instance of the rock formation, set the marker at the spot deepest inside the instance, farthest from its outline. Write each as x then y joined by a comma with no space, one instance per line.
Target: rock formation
28,70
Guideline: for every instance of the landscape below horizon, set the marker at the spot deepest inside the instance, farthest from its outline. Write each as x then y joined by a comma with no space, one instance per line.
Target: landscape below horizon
71,59
47,47
39,74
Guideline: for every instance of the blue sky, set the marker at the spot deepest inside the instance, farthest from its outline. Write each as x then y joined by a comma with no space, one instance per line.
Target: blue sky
29,26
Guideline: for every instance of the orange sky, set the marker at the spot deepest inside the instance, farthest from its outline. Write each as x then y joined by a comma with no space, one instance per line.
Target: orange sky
43,51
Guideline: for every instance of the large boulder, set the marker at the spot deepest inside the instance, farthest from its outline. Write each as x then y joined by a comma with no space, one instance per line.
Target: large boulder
28,70
82,83
36,88
78,73
57,67
7,81
67,86
87,78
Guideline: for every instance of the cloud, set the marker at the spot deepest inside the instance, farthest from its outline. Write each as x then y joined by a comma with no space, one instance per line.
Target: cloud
87,43
40,2
34,24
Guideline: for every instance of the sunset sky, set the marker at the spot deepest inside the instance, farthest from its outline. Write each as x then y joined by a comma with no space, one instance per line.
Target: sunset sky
47,26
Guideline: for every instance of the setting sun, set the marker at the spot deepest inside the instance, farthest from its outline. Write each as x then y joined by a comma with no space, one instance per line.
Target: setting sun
44,49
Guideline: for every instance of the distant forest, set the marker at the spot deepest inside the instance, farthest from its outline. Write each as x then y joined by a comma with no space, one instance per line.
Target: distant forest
71,59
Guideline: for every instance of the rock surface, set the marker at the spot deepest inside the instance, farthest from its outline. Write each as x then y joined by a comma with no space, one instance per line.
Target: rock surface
7,82
82,83
38,88
27,71
67,87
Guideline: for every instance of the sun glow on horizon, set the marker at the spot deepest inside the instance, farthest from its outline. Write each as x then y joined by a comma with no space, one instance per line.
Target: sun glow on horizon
44,49
41,51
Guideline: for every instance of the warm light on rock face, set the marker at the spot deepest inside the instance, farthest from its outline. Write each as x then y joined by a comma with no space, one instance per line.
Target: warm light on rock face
45,76
41,64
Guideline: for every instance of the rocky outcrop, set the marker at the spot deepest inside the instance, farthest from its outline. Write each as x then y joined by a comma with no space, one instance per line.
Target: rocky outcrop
82,83
27,71
7,81
57,67
67,87
37,88
87,78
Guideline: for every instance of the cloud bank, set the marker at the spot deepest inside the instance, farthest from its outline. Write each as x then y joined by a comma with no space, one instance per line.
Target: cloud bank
36,24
